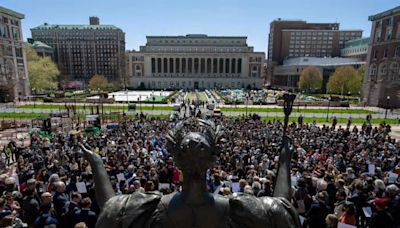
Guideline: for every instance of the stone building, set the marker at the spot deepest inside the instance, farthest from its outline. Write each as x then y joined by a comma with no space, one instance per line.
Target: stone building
381,84
81,51
195,62
14,81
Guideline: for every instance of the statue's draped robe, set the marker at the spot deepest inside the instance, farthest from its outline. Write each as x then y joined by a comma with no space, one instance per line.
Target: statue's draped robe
152,210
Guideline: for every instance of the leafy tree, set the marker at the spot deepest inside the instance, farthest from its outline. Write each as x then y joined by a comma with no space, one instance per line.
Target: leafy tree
346,80
310,79
98,82
42,71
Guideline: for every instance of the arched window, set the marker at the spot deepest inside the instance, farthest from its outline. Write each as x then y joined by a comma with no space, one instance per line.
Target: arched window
393,71
382,72
372,72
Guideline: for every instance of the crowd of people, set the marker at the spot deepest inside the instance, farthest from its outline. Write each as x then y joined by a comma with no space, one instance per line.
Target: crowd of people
340,175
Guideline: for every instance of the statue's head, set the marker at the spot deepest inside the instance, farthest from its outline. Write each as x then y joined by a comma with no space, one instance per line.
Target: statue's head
192,143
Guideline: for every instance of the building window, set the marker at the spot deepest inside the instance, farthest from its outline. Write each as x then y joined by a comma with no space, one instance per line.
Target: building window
153,65
215,65
397,53
393,70
196,65
202,65
227,65
159,65
385,53
183,65
190,65
177,65
378,36
388,33
221,66
171,65
375,54
239,66
233,66
165,65
208,65
372,72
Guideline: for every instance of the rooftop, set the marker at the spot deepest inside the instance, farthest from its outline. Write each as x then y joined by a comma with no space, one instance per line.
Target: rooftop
196,36
11,13
315,61
76,27
356,43
39,44
384,14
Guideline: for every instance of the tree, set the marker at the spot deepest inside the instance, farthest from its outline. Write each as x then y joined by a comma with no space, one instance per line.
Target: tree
42,71
346,80
310,79
98,82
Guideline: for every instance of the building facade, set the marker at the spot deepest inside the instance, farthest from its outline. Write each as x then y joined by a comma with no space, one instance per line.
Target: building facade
14,81
297,38
195,62
288,74
381,84
81,51
357,48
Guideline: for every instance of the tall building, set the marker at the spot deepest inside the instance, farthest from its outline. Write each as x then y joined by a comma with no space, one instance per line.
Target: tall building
301,39
297,38
195,62
82,51
14,82
381,84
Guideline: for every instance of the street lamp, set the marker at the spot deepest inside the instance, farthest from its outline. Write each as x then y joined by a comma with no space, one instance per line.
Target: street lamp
387,106
329,104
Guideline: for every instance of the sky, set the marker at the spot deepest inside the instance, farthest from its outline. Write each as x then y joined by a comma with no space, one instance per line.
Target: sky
251,18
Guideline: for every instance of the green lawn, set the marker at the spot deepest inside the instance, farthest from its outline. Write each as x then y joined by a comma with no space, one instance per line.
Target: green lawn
88,107
302,110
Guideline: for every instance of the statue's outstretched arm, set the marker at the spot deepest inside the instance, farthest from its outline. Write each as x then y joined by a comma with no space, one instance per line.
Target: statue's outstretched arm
104,190
283,183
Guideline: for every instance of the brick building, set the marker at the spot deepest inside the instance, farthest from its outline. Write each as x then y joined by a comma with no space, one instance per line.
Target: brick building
14,81
81,51
381,84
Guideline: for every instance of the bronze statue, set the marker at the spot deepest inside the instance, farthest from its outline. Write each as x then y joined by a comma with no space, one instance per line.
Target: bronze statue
194,153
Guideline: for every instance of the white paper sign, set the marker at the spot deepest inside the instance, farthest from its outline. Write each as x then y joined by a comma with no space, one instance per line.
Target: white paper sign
371,169
393,177
15,176
293,180
120,177
81,187
235,187
301,219
367,212
342,225
163,186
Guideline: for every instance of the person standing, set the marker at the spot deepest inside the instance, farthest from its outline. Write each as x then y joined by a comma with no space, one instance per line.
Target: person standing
382,218
85,214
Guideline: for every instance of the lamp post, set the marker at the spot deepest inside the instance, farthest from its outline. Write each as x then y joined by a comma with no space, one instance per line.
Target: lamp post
329,104
387,106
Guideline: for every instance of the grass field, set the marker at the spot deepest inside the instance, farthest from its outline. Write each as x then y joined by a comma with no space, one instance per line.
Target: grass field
292,119
302,110
88,107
